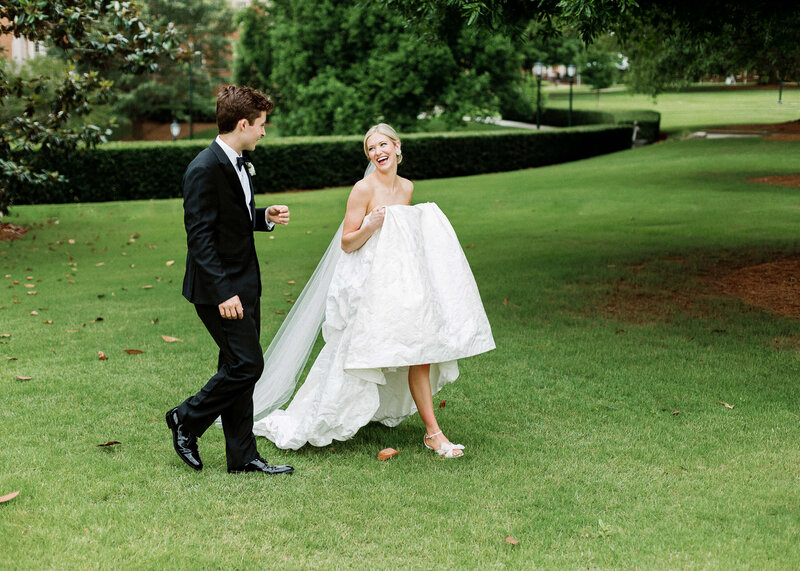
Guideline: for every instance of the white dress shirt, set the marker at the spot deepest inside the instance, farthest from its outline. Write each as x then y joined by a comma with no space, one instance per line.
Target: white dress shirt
243,178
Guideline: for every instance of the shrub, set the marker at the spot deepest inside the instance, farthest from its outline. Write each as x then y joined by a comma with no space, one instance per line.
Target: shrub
144,170
649,121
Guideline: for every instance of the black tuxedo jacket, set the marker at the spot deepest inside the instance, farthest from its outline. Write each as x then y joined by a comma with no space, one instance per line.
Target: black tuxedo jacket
221,260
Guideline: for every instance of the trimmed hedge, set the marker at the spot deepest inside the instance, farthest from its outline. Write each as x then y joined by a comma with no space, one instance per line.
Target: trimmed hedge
144,170
649,121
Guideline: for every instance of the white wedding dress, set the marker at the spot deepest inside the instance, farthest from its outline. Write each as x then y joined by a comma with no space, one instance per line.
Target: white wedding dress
406,297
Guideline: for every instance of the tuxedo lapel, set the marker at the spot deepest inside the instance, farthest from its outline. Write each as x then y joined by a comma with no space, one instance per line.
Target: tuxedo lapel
233,179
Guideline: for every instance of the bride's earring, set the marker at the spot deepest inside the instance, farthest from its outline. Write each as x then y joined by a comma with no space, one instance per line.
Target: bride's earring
399,152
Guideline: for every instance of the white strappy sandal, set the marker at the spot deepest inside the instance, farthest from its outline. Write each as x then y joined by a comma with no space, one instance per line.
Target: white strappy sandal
447,449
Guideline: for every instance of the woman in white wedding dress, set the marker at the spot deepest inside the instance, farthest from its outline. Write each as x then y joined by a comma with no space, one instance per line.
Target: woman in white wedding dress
400,307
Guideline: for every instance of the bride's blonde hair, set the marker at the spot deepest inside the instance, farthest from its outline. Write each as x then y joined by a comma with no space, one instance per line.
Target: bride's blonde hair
387,130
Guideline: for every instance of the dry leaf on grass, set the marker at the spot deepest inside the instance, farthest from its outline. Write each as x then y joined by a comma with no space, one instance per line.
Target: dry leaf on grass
147,287
169,339
110,443
22,378
726,405
169,263
512,540
674,412
290,282
387,453
441,404
133,351
8,497
102,356
5,334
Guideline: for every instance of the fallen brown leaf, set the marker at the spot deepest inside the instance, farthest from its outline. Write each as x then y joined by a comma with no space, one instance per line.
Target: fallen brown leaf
676,412
290,282
102,356
98,264
726,405
22,378
48,322
512,540
290,300
505,301
110,443
441,404
133,351
279,312
169,339
387,453
470,245
5,334
8,497
147,287
169,263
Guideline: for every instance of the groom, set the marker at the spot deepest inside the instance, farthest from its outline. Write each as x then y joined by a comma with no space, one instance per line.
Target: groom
223,281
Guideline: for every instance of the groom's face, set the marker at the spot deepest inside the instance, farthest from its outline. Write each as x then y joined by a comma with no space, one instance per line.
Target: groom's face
252,133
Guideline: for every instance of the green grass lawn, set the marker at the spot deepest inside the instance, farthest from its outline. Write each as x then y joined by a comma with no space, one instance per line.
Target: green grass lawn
684,112
574,447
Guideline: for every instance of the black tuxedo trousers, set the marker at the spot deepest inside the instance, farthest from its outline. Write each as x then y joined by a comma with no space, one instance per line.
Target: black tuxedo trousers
229,393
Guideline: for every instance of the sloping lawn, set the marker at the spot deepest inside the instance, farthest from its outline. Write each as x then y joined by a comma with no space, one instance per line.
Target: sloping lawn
597,432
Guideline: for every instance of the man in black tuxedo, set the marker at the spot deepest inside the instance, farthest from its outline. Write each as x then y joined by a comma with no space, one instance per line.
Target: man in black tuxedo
224,283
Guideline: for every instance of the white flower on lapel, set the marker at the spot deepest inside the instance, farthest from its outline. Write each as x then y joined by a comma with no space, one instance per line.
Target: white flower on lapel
250,168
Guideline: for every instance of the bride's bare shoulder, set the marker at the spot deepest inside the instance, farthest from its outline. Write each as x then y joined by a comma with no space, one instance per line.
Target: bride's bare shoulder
362,191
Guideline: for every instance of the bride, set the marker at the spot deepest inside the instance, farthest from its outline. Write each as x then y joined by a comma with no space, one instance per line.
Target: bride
398,306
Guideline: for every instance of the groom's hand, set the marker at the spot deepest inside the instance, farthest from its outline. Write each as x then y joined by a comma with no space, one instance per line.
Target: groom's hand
279,214
231,308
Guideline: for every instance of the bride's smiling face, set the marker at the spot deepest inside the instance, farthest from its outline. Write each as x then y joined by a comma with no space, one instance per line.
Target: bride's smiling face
382,151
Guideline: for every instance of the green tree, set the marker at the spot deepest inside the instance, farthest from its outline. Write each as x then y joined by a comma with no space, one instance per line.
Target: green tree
599,64
337,68
206,27
671,44
589,18
45,117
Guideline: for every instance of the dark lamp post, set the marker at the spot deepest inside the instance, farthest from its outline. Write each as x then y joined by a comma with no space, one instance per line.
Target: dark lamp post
175,129
538,69
780,91
571,70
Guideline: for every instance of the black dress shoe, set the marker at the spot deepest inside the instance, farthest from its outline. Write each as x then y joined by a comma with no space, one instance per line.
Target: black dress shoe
185,442
260,465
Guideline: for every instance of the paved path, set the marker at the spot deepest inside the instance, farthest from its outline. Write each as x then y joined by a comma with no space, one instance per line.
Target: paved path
517,124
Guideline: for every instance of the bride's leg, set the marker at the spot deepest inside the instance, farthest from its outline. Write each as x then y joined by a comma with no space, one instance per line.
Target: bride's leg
419,382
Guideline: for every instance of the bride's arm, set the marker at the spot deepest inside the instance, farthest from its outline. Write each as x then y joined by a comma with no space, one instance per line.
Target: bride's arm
354,235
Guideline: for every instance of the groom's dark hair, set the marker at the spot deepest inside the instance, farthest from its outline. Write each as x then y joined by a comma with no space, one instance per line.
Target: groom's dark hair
235,103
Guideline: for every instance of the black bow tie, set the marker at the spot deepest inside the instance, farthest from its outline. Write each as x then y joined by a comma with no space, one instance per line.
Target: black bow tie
240,162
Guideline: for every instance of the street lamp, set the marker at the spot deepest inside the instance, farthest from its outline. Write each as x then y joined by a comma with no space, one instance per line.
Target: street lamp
780,91
571,69
175,129
538,69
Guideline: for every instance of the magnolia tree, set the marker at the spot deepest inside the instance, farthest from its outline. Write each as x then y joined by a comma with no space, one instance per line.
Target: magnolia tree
45,117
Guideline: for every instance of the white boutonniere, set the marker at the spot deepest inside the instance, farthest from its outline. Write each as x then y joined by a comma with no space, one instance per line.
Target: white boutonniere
250,168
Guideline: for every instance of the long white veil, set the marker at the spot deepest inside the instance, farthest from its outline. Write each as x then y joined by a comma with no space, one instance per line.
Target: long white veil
288,353
291,347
